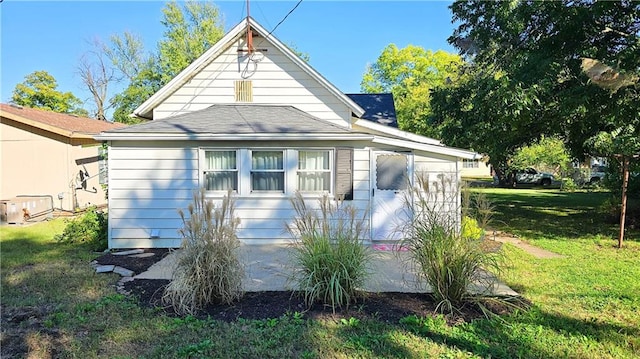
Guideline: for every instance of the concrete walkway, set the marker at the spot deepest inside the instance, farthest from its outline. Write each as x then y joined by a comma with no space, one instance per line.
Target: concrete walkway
532,250
268,268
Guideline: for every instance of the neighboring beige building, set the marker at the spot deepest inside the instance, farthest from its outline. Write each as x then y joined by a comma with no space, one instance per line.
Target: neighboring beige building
51,154
476,168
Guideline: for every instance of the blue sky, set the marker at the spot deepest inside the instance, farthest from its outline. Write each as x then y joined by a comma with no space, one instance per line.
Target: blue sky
341,37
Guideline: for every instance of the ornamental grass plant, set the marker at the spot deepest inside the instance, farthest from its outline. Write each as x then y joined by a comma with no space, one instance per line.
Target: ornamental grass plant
208,268
331,264
444,254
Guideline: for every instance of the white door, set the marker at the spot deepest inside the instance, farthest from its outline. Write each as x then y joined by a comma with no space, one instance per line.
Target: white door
391,172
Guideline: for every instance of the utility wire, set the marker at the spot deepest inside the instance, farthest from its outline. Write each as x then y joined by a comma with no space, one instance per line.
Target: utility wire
284,18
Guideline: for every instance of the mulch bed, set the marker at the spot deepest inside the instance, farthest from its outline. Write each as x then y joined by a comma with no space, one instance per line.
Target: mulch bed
388,306
139,264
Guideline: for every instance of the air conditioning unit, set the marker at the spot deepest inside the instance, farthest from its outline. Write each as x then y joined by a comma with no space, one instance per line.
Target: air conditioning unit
21,209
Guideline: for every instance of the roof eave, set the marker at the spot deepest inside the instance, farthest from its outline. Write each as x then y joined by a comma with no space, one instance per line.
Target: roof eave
439,149
396,132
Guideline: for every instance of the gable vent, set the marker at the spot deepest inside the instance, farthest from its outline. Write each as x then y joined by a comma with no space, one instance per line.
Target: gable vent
244,91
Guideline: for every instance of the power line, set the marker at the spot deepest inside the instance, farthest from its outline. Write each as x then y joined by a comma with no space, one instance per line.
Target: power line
284,18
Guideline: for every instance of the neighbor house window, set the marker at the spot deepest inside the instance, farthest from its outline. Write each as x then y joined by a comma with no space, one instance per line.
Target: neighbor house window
470,164
267,171
221,171
103,175
314,173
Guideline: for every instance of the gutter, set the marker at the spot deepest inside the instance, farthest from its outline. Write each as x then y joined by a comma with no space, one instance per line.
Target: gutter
441,149
226,137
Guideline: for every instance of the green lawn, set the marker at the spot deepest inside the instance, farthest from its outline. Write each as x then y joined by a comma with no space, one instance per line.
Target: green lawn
585,305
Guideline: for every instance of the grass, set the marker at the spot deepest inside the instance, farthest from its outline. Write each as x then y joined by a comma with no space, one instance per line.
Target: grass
585,305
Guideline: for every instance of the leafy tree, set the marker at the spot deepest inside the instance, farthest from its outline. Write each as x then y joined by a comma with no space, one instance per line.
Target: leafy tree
525,78
40,90
410,74
190,30
127,55
146,82
303,55
548,154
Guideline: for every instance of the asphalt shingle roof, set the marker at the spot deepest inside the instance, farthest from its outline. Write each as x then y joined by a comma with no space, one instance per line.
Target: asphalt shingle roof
62,121
377,107
239,119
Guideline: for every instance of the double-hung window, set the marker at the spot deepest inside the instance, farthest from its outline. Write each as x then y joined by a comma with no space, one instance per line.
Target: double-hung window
267,171
221,170
469,163
314,171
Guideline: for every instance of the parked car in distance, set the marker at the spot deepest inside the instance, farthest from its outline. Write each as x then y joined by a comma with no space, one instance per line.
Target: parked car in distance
532,176
597,173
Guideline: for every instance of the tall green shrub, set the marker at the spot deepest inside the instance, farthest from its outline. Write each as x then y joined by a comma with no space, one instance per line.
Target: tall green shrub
208,267
90,228
331,263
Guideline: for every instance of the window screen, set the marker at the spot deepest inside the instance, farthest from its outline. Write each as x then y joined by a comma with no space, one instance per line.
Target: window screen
391,172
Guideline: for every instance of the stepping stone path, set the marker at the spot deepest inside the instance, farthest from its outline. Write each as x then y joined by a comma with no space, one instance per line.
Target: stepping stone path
127,274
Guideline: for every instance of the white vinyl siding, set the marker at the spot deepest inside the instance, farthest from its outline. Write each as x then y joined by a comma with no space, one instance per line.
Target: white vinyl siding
275,80
147,186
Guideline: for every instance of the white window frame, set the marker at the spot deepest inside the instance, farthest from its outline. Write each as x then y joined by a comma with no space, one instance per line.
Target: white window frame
470,163
244,169
330,170
203,166
284,171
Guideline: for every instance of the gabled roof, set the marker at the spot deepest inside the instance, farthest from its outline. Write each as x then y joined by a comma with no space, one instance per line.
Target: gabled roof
237,121
378,107
71,126
145,110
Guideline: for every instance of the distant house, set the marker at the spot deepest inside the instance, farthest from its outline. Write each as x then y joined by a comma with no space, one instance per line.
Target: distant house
51,154
263,123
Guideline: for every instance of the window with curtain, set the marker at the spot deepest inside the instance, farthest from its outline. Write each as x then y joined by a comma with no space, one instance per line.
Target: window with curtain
314,172
470,163
267,171
221,171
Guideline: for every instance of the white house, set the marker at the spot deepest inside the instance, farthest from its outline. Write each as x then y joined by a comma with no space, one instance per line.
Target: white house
260,121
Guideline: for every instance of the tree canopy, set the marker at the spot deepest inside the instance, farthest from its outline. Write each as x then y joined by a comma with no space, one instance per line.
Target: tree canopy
40,90
525,77
410,74
191,28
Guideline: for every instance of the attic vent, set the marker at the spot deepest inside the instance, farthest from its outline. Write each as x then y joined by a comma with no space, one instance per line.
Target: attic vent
244,91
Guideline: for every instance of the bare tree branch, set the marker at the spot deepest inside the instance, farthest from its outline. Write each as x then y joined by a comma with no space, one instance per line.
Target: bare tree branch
96,76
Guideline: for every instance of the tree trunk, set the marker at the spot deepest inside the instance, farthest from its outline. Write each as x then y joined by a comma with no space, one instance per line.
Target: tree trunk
623,207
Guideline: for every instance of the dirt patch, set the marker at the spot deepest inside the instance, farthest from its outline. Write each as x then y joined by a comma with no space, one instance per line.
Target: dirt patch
23,332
